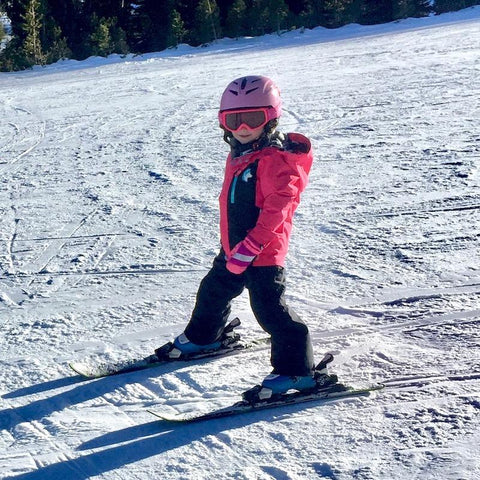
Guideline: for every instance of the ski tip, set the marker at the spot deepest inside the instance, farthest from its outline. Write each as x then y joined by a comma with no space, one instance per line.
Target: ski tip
81,370
85,370
76,367
165,417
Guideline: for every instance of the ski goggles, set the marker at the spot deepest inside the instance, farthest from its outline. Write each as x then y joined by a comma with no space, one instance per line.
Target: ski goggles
249,118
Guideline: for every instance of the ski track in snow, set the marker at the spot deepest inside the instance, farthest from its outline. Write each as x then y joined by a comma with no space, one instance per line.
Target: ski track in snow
109,175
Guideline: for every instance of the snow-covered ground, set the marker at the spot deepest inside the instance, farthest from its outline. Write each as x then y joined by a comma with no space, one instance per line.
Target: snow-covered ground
109,175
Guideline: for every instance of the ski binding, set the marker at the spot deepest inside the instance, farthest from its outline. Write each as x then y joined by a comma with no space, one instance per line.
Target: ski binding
231,344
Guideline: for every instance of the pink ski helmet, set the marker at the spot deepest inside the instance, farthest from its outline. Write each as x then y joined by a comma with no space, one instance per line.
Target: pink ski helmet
251,92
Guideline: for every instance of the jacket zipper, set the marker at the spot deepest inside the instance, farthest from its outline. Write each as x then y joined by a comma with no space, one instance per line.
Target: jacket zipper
232,189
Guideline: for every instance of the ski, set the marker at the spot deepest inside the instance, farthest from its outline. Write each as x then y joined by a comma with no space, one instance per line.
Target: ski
92,368
421,380
331,392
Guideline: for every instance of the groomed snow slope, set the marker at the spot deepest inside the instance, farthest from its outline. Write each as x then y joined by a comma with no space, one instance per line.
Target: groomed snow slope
109,175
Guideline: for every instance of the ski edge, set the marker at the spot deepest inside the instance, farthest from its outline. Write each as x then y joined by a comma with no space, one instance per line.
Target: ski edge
238,409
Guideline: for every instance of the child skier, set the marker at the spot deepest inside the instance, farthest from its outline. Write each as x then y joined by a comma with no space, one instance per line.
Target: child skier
265,174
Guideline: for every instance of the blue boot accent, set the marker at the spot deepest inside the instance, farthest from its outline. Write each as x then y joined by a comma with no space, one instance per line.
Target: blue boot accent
282,383
185,347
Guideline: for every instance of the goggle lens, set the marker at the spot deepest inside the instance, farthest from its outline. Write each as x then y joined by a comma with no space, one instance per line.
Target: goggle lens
252,119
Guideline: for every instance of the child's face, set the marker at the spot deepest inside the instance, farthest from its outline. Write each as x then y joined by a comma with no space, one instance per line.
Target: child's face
245,135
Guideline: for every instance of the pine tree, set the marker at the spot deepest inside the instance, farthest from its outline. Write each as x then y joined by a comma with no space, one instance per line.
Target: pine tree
99,40
277,13
266,16
313,14
335,12
207,22
149,25
32,25
119,37
106,37
377,11
234,24
67,15
442,6
423,8
353,11
177,31
296,6
2,32
120,10
57,44
410,8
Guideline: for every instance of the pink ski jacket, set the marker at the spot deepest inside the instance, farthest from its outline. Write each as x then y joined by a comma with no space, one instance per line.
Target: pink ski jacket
260,193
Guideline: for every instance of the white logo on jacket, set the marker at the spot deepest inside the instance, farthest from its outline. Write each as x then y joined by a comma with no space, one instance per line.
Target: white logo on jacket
247,175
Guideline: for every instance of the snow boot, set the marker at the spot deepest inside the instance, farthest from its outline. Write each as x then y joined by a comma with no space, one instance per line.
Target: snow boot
278,384
274,386
182,347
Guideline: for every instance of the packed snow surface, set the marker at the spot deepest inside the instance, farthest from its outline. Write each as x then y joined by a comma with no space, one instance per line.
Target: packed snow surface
109,176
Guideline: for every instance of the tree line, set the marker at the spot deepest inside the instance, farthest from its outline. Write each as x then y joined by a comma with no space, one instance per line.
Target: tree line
44,31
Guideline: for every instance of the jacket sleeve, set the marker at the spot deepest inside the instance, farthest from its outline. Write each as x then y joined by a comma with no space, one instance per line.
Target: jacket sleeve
281,178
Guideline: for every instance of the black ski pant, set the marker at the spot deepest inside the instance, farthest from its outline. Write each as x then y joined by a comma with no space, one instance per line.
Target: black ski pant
291,347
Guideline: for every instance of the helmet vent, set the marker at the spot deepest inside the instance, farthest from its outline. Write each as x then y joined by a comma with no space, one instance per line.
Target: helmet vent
251,90
234,92
244,83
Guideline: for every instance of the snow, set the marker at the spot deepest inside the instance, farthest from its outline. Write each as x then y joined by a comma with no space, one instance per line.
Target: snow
110,170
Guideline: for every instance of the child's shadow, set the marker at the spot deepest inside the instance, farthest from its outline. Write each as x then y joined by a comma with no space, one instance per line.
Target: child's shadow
145,441
85,391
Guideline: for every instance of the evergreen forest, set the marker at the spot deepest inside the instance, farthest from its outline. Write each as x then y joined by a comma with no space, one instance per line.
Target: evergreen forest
44,31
